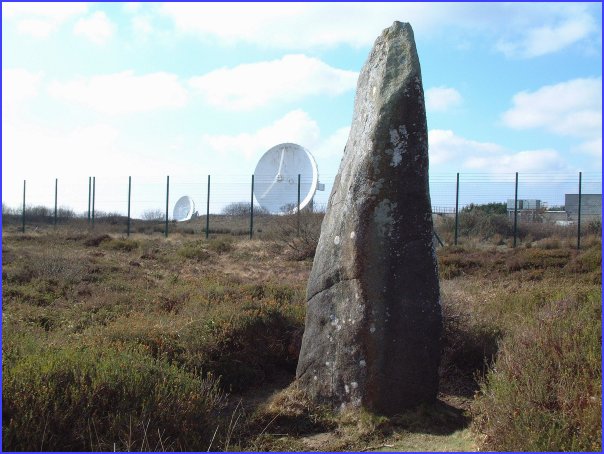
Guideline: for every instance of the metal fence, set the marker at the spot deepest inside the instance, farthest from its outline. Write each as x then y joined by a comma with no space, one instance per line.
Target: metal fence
232,199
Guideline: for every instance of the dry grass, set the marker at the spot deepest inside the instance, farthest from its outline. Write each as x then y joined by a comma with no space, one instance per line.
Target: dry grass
538,323
232,308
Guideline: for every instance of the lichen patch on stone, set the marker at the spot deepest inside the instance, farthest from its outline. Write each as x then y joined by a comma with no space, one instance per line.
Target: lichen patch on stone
397,157
383,217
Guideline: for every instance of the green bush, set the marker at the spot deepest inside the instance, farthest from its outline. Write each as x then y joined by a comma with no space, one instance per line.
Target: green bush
484,225
486,208
93,399
544,391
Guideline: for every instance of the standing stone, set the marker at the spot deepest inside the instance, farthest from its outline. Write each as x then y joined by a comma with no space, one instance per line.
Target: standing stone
373,321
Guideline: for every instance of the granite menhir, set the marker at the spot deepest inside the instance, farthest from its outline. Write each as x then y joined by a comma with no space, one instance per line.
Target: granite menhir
373,321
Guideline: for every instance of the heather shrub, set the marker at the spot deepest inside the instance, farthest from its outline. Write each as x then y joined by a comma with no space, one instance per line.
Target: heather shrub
103,399
544,391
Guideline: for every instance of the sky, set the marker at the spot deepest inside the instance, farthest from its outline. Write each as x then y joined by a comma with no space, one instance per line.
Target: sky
191,89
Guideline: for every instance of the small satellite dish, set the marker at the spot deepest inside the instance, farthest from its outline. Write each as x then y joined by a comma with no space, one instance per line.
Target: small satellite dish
184,208
276,178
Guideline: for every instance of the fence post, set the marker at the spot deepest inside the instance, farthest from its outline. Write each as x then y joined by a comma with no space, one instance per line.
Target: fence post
456,208
298,204
56,189
167,198
129,194
252,210
23,213
516,210
93,197
208,211
89,196
579,216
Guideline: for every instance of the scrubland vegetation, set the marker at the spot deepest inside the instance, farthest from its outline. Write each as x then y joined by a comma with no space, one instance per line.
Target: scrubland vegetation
147,343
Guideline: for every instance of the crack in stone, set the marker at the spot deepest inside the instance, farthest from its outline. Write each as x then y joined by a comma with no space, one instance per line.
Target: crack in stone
332,285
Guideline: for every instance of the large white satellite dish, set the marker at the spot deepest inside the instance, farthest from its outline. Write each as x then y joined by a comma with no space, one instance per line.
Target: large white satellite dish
184,209
276,178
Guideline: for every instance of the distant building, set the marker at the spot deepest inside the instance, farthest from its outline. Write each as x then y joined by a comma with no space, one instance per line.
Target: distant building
524,204
591,206
527,209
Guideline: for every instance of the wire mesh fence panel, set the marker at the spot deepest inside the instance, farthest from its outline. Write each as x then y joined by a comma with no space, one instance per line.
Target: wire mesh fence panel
230,203
110,196
73,195
39,204
546,204
40,193
442,193
148,198
148,204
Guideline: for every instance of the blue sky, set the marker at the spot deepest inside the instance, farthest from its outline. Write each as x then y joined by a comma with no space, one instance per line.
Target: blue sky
150,89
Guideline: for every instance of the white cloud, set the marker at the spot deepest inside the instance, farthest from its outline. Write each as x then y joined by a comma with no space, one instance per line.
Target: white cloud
290,78
123,92
40,19
296,126
250,22
19,84
550,38
571,108
40,154
441,99
97,28
517,29
295,25
37,28
74,152
537,161
592,147
333,145
142,26
445,145
67,152
132,7
54,10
